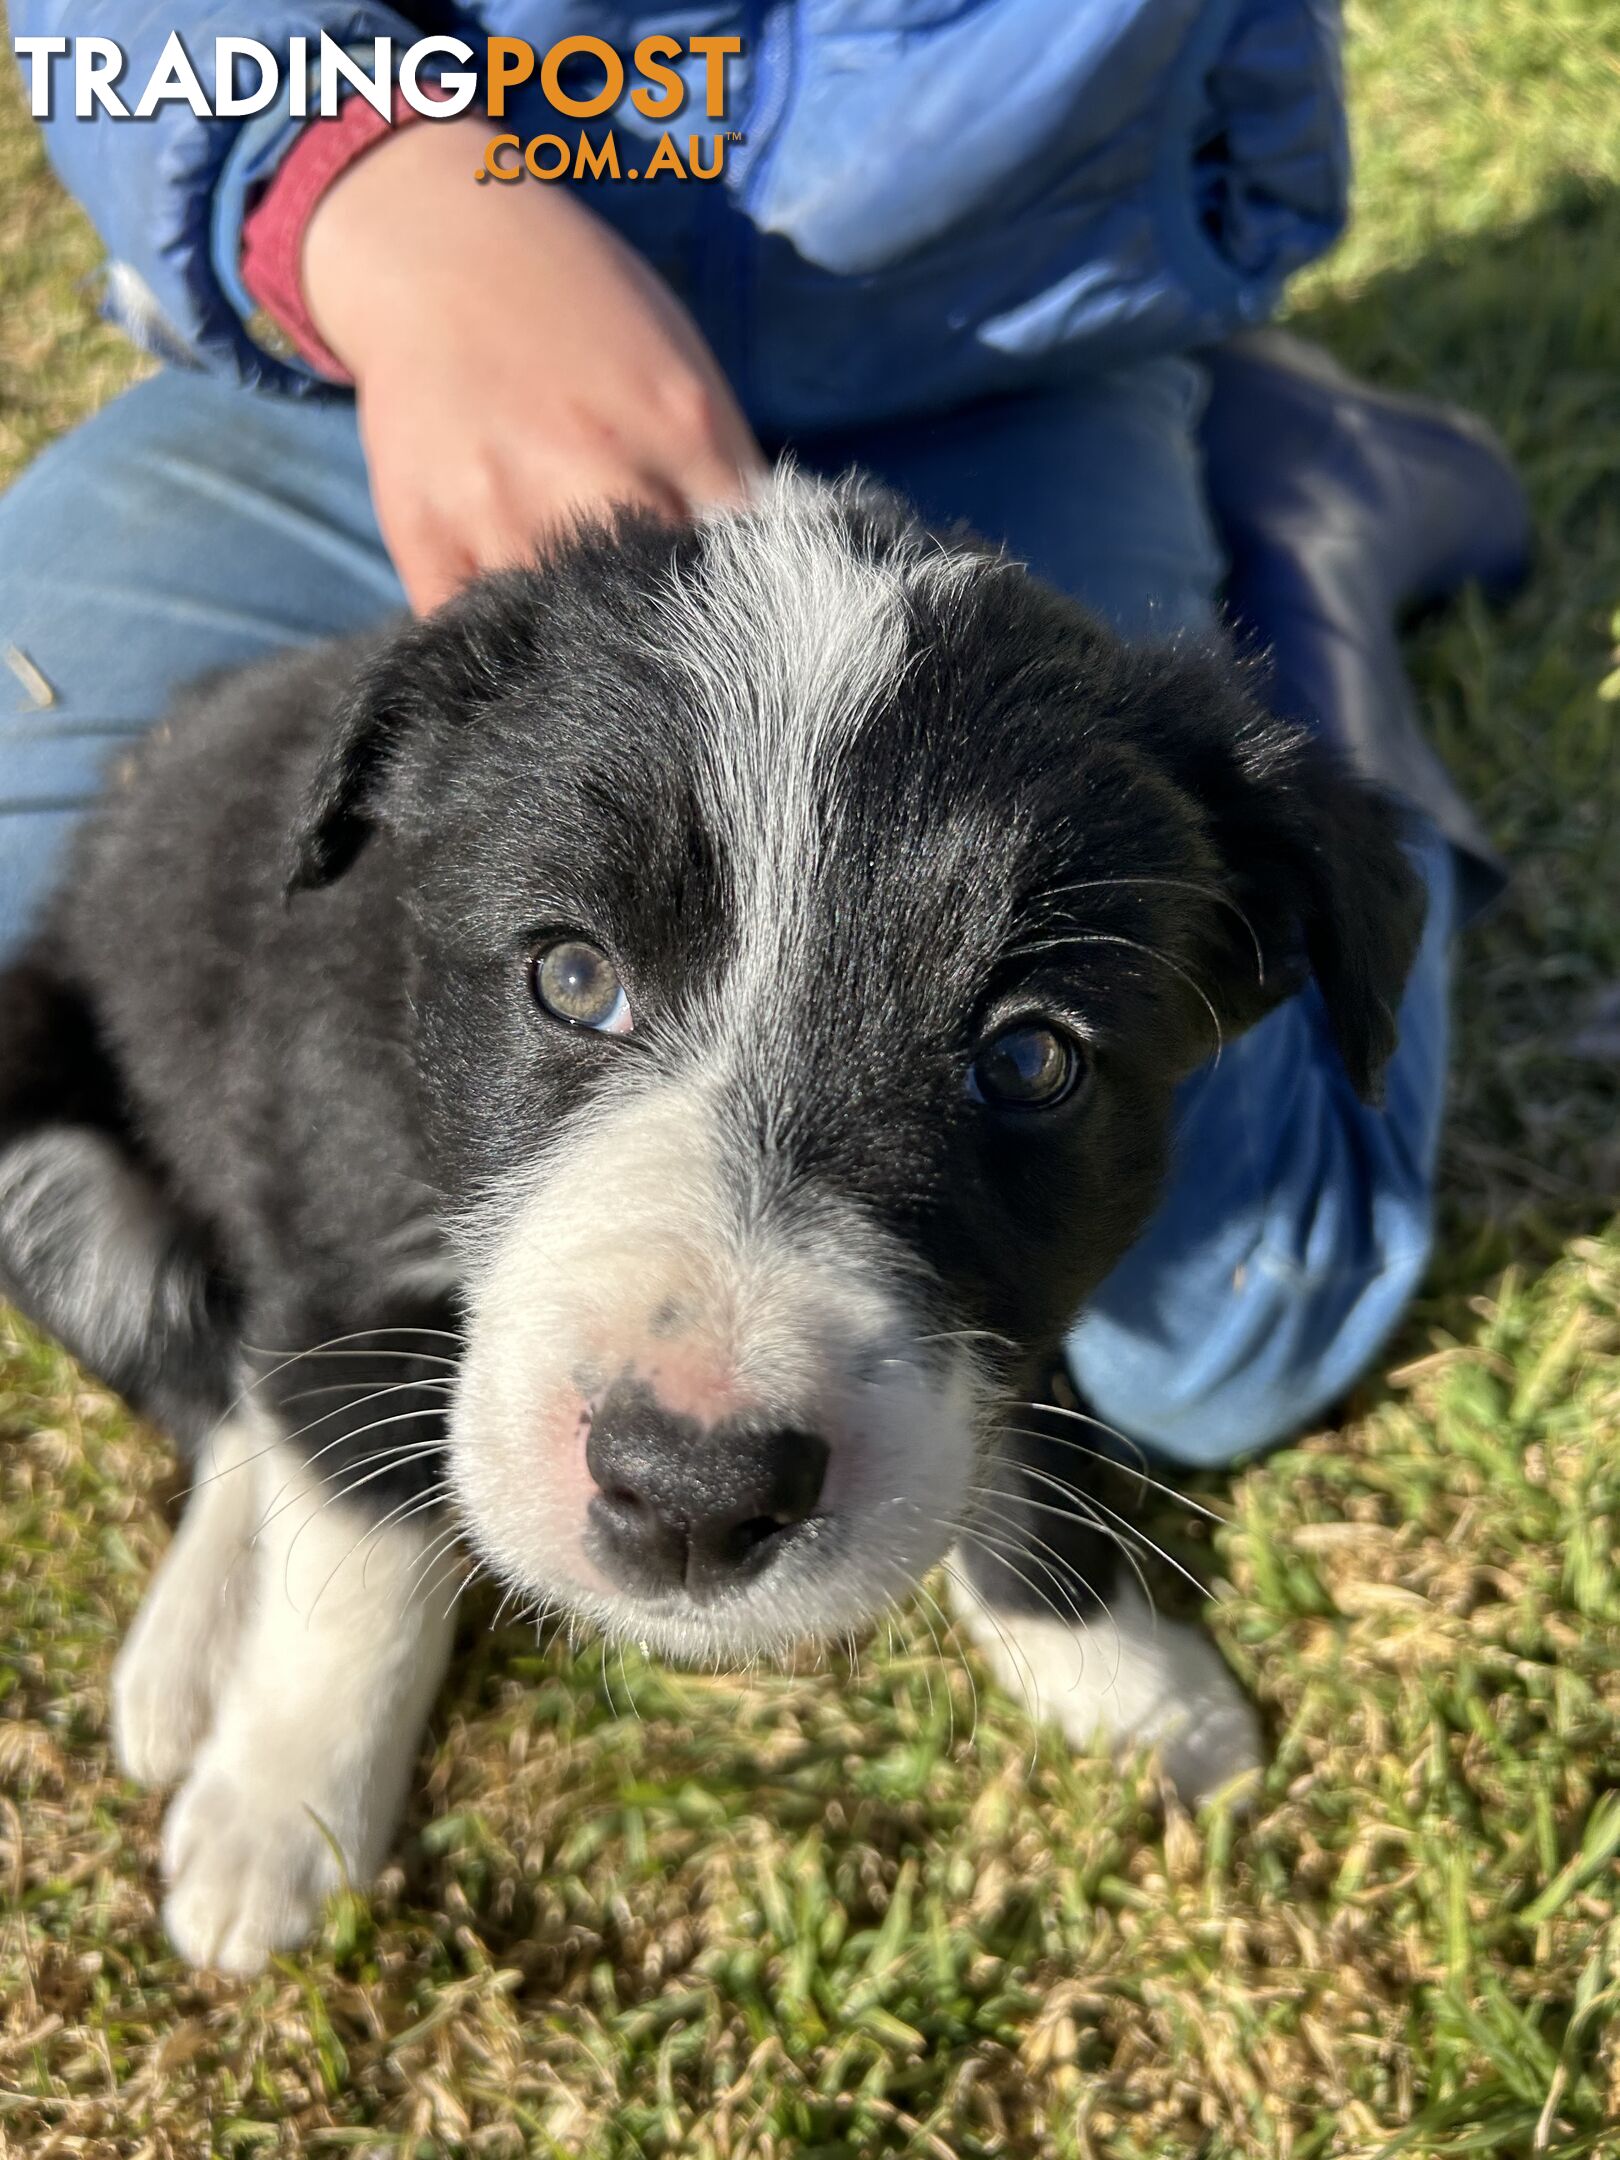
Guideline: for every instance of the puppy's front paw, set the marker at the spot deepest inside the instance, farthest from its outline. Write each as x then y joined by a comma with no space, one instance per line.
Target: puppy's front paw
159,1713
249,1863
171,1670
1126,1678
169,1673
294,1631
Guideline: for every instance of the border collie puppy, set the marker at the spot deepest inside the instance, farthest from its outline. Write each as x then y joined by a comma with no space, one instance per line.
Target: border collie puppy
651,1058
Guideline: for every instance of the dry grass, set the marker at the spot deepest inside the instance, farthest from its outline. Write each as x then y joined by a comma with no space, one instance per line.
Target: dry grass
637,1912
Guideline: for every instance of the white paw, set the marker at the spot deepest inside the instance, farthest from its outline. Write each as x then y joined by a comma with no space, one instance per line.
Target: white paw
170,1671
248,1864
1126,1679
161,1706
286,1658
315,1725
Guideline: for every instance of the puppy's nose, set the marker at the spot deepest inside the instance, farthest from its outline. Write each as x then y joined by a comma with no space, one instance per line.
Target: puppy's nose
684,1505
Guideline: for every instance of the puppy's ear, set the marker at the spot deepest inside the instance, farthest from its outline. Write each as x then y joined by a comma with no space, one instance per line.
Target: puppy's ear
427,675
344,800
432,680
1317,880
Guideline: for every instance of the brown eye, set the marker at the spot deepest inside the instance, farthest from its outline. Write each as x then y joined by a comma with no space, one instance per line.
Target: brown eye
1027,1068
579,985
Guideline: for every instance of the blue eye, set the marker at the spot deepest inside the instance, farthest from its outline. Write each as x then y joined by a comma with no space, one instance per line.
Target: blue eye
579,986
1027,1068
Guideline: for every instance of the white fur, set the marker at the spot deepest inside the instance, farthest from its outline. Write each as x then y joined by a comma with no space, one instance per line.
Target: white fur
812,1326
319,1686
1127,1678
789,639
170,1670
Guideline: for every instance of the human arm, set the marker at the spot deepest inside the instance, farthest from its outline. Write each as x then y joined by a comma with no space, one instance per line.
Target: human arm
516,364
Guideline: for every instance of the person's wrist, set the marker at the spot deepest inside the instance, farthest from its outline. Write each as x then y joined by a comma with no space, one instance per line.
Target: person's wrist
373,236
273,230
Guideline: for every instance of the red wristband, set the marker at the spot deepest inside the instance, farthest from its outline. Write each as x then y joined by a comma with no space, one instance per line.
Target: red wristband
273,233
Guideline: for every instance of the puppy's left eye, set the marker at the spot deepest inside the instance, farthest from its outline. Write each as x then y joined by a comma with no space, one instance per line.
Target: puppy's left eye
579,985
1026,1068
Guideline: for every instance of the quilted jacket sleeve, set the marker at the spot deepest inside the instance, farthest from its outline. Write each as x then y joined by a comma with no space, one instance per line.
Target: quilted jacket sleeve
167,193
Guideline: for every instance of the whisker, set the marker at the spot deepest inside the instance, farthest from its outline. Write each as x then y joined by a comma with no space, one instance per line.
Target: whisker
347,1387
1016,1658
923,1591
342,1492
853,1651
1207,892
928,1680
1149,952
629,1688
428,1557
244,1395
438,1495
1082,1507
365,1334
1080,1622
395,1387
969,1334
325,1351
1006,1551
398,1417
413,1504
1097,1424
450,1561
376,1455
1019,1537
1136,1470
282,1439
394,1457
468,1581
1133,1529
390,1458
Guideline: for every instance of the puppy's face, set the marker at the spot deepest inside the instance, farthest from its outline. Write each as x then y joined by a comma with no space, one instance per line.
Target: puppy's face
811,925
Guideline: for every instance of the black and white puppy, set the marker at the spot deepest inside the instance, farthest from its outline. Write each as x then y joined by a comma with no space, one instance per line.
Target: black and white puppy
656,1053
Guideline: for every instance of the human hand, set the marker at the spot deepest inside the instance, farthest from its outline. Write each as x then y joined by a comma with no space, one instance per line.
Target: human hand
517,366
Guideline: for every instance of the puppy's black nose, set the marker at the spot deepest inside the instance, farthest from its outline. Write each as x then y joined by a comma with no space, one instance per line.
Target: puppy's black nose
686,1505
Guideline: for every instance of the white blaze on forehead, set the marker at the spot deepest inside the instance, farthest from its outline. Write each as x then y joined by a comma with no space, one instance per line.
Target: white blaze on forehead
791,628
791,631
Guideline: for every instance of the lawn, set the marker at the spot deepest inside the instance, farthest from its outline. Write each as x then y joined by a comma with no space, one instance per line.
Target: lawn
847,1913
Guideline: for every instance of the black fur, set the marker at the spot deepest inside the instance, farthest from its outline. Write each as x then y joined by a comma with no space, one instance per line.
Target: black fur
285,976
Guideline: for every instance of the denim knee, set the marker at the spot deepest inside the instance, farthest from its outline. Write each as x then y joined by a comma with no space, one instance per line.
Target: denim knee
1285,1348
59,724
1296,1228
189,525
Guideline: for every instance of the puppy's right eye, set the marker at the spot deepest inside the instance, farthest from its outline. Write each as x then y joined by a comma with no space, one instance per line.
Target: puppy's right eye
1026,1068
578,984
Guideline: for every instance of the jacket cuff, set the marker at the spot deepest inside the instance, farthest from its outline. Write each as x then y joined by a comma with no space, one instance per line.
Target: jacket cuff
269,354
271,265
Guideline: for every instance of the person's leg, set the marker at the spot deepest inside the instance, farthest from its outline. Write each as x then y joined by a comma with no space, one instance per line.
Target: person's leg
1098,488
1296,1228
1297,1220
188,526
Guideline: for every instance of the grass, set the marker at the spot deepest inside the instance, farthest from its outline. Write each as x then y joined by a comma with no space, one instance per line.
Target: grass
823,1916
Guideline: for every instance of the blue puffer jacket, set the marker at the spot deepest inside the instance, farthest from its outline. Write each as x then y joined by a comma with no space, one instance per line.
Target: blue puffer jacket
935,200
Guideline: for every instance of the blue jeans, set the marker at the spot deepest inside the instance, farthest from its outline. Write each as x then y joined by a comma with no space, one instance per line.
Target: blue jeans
194,525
